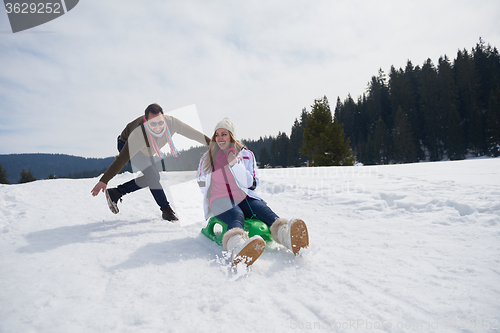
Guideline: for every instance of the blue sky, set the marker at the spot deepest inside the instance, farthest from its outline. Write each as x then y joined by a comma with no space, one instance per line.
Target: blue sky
71,85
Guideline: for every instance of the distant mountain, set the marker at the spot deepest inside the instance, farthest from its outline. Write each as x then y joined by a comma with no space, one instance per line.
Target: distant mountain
59,165
67,166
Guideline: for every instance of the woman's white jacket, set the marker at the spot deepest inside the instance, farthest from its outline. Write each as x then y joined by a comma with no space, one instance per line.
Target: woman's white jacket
244,172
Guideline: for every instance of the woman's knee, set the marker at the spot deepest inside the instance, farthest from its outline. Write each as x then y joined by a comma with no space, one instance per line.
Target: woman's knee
263,212
234,218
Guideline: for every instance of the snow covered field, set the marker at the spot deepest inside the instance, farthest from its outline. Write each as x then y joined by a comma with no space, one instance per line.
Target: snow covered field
411,247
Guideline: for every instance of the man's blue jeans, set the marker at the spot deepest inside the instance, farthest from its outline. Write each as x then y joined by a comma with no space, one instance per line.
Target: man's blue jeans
234,215
150,178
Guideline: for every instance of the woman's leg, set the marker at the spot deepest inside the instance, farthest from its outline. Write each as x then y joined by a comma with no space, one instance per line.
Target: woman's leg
260,209
227,212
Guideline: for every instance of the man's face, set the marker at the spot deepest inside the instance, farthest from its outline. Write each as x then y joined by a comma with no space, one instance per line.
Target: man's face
156,122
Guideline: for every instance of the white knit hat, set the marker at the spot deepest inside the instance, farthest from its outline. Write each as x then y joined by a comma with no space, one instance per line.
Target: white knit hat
227,124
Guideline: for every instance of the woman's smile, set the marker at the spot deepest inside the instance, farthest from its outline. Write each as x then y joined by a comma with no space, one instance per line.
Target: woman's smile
223,138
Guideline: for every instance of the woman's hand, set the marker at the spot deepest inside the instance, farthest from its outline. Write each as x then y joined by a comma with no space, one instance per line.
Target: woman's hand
231,157
99,187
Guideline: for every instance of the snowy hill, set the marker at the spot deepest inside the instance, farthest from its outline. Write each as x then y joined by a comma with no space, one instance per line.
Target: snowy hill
393,248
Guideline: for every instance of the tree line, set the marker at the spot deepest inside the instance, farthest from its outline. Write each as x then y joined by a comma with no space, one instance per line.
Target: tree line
448,111
24,176
16,168
427,113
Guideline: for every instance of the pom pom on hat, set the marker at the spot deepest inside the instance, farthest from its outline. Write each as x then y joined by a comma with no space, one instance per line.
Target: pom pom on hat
226,123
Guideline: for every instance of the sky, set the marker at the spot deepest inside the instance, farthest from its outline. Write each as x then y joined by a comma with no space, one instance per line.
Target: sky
71,85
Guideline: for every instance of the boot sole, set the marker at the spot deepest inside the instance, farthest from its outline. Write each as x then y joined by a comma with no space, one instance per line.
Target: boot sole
251,252
299,236
175,219
112,206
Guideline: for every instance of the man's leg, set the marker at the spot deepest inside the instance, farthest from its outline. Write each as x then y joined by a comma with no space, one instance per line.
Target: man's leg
129,186
151,179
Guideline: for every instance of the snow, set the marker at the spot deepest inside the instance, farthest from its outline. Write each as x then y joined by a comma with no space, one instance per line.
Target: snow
410,247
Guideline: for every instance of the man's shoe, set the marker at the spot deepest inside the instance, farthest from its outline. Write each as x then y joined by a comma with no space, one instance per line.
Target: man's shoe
112,196
168,214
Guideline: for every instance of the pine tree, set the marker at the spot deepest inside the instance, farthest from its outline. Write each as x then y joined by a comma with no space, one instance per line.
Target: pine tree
324,137
317,132
373,100
340,151
380,143
487,68
357,130
26,177
485,73
295,157
404,146
367,152
451,128
493,129
264,157
429,106
3,176
279,150
466,80
403,93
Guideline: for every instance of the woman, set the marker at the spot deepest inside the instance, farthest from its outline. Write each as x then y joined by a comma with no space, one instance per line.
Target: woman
227,176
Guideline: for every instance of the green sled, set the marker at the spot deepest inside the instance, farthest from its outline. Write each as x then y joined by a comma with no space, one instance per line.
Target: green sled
252,226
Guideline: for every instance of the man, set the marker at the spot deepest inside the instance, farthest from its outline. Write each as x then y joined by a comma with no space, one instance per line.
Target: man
138,143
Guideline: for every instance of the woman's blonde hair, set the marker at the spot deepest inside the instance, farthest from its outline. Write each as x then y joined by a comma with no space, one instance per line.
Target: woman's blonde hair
213,149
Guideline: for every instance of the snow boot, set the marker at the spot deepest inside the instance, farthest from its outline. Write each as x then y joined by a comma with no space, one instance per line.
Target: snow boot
168,214
293,235
241,247
112,196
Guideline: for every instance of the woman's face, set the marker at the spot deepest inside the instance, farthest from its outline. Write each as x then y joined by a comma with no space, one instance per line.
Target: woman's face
157,123
223,138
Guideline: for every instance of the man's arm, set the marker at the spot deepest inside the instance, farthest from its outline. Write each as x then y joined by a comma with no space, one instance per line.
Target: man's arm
184,129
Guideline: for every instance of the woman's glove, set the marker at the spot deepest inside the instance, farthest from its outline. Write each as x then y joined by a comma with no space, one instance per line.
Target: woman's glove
231,157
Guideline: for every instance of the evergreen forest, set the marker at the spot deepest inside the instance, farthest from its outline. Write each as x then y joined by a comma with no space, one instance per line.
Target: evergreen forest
434,112
447,111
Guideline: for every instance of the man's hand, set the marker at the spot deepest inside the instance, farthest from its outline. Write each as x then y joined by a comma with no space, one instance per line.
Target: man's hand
99,187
